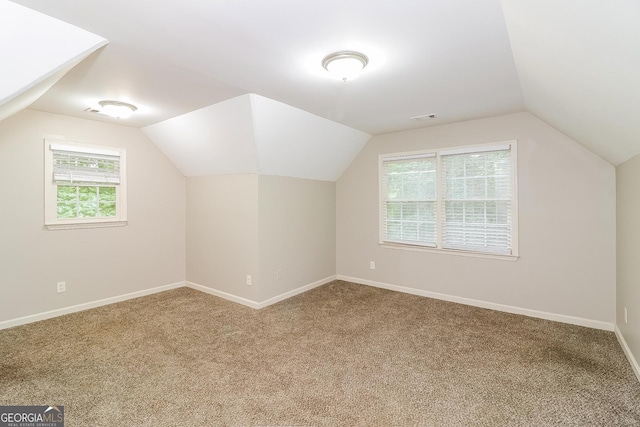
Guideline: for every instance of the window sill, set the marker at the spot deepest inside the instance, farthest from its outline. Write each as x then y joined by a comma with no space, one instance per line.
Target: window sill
88,224
454,252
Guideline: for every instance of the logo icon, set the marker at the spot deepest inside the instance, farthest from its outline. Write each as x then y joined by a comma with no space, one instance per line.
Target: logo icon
33,416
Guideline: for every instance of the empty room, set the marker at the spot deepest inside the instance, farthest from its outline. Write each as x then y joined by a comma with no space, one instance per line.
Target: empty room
304,213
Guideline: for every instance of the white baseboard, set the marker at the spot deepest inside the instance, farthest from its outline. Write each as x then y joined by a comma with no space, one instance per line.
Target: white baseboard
296,291
81,307
93,304
596,324
258,305
223,295
627,352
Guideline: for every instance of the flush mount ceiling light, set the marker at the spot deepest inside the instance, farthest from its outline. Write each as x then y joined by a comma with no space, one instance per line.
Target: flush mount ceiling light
117,109
346,64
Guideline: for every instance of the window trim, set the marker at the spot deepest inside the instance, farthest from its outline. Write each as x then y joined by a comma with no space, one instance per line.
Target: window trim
438,152
51,221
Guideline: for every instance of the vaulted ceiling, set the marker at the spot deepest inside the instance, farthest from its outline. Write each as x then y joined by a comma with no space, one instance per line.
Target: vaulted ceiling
579,68
253,134
573,63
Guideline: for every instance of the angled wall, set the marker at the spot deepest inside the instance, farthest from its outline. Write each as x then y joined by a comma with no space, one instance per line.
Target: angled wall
578,65
222,234
214,140
41,50
98,263
254,134
278,230
566,269
628,253
297,233
260,195
293,142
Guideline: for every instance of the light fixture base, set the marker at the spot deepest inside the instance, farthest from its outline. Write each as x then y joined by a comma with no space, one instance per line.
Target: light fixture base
345,64
116,109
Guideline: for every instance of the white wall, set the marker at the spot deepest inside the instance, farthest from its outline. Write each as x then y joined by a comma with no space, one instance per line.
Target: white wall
566,224
628,251
222,233
297,233
248,224
95,263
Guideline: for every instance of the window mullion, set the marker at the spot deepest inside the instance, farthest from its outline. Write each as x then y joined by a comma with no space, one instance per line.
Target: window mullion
439,214
77,168
469,184
77,201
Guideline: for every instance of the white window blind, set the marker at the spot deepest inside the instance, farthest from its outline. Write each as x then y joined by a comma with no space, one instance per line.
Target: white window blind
461,199
409,206
77,166
85,185
477,200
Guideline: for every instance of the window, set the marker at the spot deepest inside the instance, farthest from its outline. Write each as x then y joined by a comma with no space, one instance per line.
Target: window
409,206
455,200
85,186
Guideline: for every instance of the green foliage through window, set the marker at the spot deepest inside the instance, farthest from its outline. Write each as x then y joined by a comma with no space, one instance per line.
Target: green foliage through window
75,201
451,199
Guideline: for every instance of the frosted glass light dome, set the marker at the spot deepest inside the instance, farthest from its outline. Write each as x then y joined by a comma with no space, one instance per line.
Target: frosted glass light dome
345,65
117,109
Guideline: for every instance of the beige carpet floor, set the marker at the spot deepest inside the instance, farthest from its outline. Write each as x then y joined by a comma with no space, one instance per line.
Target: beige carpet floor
339,355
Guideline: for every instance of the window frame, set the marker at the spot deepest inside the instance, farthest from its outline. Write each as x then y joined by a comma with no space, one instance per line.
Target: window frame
51,220
438,152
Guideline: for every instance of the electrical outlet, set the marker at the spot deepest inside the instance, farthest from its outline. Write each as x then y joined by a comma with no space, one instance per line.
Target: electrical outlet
626,315
372,265
61,287
248,280
279,274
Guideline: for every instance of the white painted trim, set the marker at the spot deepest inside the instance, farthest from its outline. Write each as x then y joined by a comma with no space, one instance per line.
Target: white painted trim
512,145
51,221
595,324
456,252
258,305
111,300
223,295
85,224
86,306
296,291
627,352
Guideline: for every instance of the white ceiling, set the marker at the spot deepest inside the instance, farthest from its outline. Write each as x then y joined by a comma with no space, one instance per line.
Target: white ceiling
293,142
37,51
451,58
574,63
217,139
579,67
253,134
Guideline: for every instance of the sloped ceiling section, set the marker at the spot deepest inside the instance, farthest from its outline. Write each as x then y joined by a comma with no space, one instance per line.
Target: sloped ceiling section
42,49
253,134
292,142
579,67
213,140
